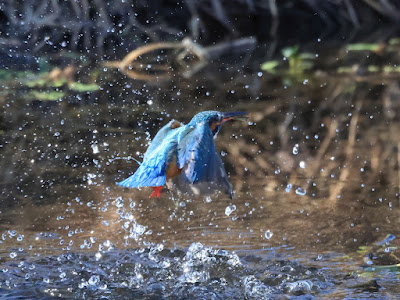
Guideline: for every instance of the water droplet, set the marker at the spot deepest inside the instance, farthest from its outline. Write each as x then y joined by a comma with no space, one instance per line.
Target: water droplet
95,279
302,164
301,191
296,149
288,188
136,231
95,149
13,254
119,202
268,234
230,209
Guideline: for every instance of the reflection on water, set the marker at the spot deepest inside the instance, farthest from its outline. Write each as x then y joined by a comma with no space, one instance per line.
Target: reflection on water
315,172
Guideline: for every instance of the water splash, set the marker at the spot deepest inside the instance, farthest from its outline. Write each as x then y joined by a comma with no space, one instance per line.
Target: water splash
268,234
230,209
295,150
300,191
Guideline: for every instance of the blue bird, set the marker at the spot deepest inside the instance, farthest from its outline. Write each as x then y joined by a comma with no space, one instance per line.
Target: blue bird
185,158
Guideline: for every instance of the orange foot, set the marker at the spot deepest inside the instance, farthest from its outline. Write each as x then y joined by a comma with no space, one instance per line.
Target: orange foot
156,193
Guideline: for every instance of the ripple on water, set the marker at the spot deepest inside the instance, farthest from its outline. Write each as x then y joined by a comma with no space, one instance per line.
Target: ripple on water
197,272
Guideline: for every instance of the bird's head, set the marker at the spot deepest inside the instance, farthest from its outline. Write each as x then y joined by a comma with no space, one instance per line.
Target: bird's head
215,118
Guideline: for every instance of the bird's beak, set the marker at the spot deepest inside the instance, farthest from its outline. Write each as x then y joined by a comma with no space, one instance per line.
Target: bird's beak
237,115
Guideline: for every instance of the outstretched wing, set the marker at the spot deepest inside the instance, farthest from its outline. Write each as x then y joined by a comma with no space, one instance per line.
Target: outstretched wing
152,172
161,135
196,149
202,165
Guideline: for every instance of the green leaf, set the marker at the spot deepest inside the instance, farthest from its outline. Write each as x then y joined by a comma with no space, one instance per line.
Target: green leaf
47,95
345,70
373,68
364,47
394,41
290,51
390,69
82,87
307,55
269,66
36,83
305,65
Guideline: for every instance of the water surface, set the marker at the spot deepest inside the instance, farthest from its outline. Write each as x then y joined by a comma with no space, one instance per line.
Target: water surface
315,172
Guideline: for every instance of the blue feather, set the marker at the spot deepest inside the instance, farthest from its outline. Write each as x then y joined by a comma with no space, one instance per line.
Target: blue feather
195,152
161,135
193,149
152,171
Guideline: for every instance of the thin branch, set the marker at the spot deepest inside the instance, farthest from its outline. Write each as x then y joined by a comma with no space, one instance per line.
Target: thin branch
352,13
275,18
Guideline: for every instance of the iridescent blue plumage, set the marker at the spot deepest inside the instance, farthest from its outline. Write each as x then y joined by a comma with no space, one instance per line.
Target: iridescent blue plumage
185,157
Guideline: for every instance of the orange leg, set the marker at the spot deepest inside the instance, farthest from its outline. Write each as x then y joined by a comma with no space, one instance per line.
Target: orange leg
156,191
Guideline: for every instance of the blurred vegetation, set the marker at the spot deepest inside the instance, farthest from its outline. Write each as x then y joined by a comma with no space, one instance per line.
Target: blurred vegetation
298,65
35,27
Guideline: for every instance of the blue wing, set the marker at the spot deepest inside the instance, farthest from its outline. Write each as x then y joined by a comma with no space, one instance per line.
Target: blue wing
161,135
152,172
196,151
203,170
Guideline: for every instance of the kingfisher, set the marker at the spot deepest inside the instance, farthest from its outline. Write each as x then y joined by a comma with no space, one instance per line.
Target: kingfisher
184,157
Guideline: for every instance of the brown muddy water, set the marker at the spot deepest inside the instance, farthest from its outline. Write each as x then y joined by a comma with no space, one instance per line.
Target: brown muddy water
315,170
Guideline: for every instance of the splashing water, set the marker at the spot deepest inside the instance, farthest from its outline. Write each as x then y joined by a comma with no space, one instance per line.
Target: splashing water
301,191
230,209
268,234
